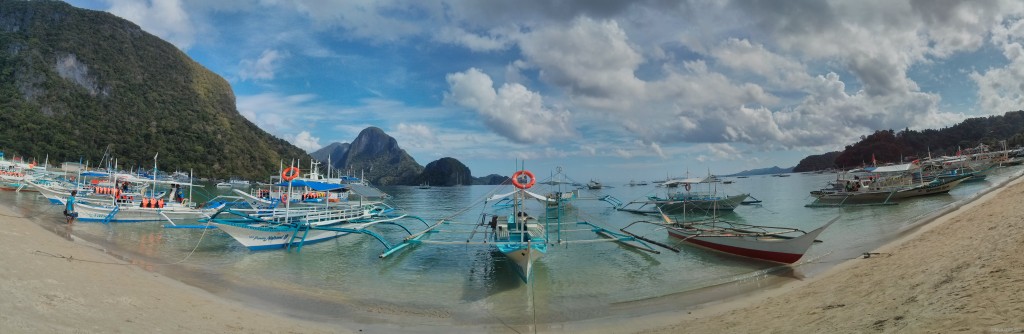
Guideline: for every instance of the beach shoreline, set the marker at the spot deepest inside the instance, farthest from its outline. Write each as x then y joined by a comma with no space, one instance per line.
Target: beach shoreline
798,306
196,308
51,285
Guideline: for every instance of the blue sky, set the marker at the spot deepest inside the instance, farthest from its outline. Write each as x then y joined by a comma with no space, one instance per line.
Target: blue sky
615,90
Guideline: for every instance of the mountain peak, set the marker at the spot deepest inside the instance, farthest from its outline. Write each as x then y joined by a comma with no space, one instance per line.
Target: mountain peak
373,141
374,153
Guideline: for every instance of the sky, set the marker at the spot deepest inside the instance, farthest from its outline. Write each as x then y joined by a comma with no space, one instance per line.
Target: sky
605,89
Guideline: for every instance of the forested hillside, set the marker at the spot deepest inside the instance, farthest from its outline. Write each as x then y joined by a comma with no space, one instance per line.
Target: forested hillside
891,146
74,82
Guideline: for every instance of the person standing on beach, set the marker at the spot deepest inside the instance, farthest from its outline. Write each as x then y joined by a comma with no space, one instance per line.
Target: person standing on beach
69,208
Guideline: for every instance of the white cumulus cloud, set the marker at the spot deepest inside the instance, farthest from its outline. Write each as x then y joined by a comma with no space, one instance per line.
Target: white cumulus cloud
263,68
306,141
416,135
512,110
167,19
592,60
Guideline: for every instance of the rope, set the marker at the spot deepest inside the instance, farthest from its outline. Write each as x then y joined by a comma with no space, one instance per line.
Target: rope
37,214
71,258
201,236
478,201
533,302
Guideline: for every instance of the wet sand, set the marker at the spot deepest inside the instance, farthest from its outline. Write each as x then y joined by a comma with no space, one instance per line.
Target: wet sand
961,272
51,285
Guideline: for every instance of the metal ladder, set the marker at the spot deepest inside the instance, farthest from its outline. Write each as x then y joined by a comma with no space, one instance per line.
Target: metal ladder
110,216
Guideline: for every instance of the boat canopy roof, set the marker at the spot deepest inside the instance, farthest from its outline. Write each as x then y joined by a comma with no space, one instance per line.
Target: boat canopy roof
95,174
318,186
693,180
503,196
893,168
367,191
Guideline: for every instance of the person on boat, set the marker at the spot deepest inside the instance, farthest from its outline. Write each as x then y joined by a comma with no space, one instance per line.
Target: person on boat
178,197
69,208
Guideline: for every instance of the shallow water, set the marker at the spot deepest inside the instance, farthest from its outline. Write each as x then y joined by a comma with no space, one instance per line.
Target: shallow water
343,279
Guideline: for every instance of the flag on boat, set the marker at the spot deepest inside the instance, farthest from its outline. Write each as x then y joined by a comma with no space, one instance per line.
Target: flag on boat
873,162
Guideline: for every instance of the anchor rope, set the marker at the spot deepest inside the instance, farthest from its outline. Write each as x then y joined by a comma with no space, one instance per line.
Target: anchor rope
34,215
71,258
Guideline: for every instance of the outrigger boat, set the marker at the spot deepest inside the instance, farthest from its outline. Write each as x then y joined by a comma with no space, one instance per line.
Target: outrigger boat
295,224
776,244
882,186
288,227
708,199
520,237
105,202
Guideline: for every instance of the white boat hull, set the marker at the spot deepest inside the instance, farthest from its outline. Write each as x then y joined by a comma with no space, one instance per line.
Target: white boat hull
775,249
132,214
522,259
260,238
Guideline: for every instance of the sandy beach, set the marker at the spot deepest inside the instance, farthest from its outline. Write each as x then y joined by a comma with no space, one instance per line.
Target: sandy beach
51,285
962,272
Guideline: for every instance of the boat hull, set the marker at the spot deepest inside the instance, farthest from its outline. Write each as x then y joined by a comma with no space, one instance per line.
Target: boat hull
775,249
522,257
134,214
882,196
264,238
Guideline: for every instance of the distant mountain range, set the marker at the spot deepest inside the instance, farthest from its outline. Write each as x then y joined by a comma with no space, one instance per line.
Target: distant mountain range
376,156
763,171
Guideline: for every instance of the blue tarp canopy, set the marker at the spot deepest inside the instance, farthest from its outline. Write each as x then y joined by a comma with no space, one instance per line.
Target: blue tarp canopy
318,186
94,174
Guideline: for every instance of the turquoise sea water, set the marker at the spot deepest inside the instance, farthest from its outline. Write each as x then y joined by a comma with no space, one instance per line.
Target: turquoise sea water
344,281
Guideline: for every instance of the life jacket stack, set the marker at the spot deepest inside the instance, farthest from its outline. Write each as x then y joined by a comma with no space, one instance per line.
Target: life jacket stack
108,191
125,198
152,203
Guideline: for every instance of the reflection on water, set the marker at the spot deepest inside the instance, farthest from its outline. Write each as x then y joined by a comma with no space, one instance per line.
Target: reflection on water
344,278
64,231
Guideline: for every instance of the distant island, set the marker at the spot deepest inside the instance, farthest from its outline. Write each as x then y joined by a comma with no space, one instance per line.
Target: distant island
763,171
377,157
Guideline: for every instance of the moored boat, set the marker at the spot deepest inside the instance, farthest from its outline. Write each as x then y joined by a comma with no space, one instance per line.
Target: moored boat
284,228
520,237
882,185
769,243
699,194
776,244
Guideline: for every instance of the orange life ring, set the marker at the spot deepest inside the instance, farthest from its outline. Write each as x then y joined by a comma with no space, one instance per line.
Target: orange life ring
515,179
687,186
290,173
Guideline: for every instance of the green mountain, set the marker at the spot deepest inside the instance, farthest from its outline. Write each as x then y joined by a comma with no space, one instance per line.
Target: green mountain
817,162
445,172
889,146
493,179
376,156
75,83
373,155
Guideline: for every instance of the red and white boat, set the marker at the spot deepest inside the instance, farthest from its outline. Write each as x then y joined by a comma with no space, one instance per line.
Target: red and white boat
776,244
